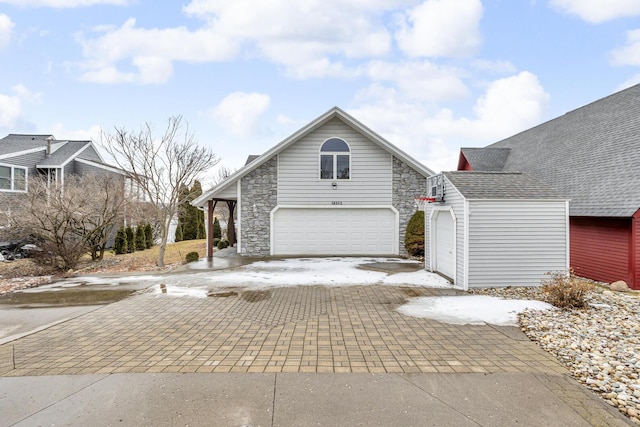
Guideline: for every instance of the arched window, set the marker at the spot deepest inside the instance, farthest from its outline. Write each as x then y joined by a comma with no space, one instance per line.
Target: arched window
335,159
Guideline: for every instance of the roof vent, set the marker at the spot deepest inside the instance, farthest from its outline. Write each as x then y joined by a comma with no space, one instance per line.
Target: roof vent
49,139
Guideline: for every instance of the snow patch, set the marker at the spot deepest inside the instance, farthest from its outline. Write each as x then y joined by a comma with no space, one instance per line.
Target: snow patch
471,310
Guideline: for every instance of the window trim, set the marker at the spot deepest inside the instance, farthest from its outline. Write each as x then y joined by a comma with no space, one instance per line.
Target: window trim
12,178
335,155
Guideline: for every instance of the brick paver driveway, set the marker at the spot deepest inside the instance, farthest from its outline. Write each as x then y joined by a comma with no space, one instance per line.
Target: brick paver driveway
295,329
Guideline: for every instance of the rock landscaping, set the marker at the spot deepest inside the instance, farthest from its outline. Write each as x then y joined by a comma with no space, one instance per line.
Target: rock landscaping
600,345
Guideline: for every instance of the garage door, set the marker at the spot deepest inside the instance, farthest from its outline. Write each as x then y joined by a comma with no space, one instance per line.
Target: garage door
335,231
444,244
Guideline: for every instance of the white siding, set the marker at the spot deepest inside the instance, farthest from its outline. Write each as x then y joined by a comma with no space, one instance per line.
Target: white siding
299,175
230,192
515,242
455,201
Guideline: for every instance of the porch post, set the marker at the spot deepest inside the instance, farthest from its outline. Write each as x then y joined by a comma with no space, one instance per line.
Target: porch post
210,230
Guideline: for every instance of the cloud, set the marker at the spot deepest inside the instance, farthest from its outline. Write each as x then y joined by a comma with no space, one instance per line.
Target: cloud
11,106
629,54
92,133
238,112
151,52
439,28
309,39
419,80
6,29
508,105
64,3
598,11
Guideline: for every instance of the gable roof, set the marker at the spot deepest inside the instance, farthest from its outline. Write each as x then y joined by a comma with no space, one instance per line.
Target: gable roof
591,154
64,154
486,159
17,143
501,185
334,112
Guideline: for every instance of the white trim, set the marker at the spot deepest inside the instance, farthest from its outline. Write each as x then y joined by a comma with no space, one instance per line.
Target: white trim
238,220
434,236
102,166
396,234
12,178
568,244
335,155
465,254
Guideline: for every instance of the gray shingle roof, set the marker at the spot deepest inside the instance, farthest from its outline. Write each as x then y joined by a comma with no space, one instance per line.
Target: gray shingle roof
63,154
14,143
251,158
486,159
591,154
501,185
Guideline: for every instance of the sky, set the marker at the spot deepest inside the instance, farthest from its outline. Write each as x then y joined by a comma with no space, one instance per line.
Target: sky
430,76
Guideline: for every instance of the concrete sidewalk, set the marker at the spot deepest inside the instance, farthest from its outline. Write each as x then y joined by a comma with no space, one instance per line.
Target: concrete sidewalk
302,400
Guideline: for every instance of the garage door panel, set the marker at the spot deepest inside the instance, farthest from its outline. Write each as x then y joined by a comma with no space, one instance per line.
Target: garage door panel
340,231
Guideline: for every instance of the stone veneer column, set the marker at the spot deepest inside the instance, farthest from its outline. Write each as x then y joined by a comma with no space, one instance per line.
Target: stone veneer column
407,184
259,195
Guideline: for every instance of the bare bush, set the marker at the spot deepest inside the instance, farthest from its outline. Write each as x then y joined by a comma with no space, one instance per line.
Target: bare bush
566,290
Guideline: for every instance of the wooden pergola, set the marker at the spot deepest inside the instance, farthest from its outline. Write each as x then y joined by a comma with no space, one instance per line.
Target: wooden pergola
211,205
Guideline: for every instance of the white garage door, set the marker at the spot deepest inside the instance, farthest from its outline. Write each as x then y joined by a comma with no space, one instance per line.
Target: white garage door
335,231
444,244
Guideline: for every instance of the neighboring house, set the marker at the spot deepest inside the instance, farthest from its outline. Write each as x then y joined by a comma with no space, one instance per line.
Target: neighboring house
488,229
24,157
334,187
592,156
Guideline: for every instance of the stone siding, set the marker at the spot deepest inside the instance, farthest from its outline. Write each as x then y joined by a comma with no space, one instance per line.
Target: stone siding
407,185
259,195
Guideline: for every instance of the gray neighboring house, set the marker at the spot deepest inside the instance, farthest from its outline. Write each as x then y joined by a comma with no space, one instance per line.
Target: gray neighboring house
23,157
334,187
491,229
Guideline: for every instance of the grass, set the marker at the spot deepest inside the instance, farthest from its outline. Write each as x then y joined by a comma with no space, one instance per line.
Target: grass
146,260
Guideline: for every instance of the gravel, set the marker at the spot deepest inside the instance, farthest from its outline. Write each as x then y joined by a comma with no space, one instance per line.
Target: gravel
600,345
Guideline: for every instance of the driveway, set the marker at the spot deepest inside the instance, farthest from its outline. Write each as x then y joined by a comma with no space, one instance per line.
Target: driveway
281,317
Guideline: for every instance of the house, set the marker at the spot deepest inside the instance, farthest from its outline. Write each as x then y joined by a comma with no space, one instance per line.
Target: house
491,229
334,187
592,156
25,156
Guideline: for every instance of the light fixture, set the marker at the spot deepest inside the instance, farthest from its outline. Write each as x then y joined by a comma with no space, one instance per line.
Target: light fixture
334,185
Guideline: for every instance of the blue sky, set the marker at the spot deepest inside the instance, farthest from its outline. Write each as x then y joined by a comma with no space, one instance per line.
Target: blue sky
428,75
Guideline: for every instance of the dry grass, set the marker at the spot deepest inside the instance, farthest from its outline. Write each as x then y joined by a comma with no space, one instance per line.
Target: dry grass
138,261
566,290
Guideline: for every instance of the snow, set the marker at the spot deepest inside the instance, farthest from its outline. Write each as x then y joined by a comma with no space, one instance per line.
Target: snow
471,310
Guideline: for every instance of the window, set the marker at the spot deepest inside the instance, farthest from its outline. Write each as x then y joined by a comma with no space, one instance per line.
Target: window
335,159
13,178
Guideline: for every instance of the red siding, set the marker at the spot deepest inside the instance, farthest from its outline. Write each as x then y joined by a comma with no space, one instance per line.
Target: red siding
463,163
601,249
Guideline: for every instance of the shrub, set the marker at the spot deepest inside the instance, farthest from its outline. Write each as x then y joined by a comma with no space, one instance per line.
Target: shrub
192,256
565,290
131,239
217,231
148,235
216,240
178,237
414,235
120,242
223,244
141,241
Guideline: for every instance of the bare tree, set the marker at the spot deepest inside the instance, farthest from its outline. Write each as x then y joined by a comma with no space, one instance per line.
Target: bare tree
68,221
160,166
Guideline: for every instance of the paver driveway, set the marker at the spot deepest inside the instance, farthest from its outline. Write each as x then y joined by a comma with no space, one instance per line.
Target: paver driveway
293,329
